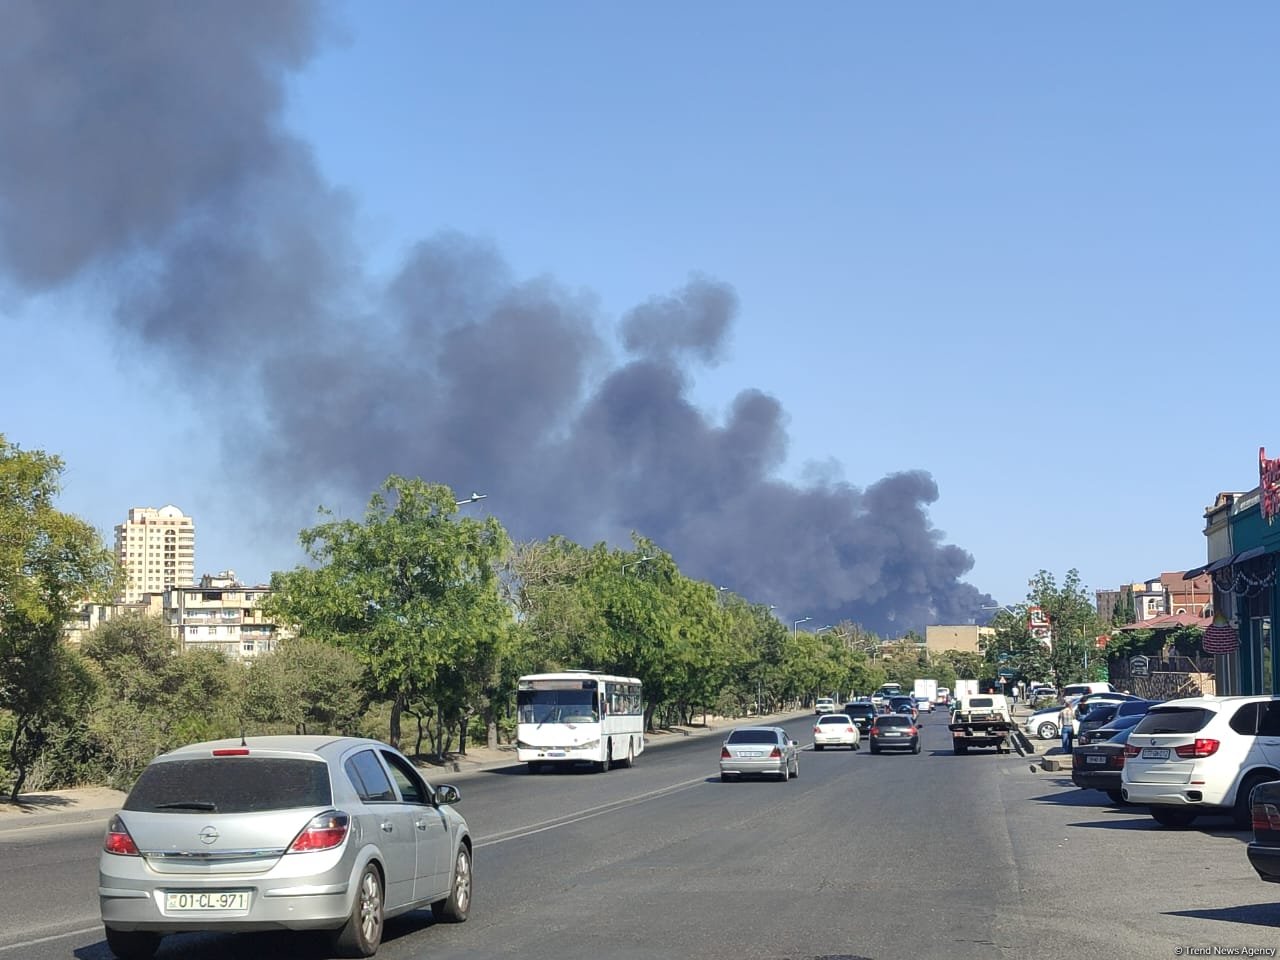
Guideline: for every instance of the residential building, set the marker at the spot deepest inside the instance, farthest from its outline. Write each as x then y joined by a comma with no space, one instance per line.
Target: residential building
93,615
965,637
221,613
156,551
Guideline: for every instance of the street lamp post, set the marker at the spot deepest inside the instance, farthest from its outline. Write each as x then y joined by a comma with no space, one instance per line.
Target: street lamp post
795,627
475,497
1002,606
634,563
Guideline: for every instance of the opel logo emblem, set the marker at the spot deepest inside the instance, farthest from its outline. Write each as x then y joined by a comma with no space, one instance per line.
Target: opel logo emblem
208,835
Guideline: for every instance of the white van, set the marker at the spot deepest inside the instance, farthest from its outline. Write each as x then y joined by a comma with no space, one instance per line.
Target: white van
1080,689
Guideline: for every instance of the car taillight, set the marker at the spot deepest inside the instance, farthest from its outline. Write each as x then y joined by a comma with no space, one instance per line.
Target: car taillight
1116,761
848,729
118,841
776,754
817,729
1266,816
323,833
874,731
231,752
725,754
1195,751
1131,751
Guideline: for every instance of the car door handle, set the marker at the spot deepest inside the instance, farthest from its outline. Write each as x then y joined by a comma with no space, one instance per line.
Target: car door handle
421,824
387,826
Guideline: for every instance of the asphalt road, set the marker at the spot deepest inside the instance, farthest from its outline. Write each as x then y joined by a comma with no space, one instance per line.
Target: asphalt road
884,857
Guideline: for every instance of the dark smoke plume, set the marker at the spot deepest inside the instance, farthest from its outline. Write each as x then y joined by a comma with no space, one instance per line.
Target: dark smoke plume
142,143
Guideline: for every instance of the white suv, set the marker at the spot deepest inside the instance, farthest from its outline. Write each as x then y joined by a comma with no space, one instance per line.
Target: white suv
1202,755
825,705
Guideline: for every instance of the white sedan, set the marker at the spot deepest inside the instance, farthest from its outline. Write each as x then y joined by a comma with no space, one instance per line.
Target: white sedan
836,730
1043,723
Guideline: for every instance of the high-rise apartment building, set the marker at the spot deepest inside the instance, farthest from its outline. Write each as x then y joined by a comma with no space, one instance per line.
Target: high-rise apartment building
156,550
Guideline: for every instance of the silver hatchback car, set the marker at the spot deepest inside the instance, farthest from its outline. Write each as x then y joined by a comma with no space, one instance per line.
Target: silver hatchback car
270,833
759,750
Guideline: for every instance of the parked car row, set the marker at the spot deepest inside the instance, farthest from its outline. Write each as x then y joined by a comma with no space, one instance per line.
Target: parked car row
1200,756
1089,711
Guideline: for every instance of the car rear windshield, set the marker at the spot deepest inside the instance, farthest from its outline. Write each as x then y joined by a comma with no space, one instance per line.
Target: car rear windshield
860,710
1174,720
1100,713
753,736
980,702
1133,708
834,719
893,720
231,785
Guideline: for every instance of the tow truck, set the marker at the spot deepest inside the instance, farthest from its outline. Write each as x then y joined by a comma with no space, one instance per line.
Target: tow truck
981,721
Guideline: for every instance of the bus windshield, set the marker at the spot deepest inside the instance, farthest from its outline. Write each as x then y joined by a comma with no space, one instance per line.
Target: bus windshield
557,706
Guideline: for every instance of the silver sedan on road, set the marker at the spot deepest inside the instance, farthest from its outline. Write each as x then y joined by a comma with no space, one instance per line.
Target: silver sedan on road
270,833
766,751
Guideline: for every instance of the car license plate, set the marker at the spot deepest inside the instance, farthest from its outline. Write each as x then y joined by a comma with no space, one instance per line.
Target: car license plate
890,734
1096,758
556,753
209,901
750,753
1155,753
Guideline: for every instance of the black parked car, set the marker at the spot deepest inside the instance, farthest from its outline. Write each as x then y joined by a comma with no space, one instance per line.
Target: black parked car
1108,730
862,713
1104,714
1098,766
1264,852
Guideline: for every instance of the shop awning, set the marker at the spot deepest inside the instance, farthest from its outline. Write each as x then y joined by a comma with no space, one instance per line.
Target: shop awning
1248,555
1195,572
1219,564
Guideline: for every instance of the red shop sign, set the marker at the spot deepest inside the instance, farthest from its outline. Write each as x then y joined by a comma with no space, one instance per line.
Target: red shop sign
1269,485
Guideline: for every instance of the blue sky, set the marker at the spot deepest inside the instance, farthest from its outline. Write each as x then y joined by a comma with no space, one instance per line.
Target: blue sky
1027,249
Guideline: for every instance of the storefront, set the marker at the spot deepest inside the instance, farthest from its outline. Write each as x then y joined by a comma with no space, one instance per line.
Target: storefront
1245,590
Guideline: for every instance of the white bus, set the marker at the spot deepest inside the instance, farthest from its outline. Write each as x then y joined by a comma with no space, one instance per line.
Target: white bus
579,717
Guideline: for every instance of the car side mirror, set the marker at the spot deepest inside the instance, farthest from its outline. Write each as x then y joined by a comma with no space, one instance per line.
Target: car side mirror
795,743
447,793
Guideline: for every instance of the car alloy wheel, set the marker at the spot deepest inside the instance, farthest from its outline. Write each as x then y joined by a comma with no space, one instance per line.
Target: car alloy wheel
457,906
362,933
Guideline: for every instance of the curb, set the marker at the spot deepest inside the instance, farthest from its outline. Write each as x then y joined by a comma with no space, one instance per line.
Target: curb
23,820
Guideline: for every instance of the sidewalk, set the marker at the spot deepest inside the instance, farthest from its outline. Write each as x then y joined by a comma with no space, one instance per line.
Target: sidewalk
86,804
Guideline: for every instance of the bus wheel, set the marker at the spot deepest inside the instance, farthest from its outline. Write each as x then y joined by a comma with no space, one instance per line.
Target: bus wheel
631,755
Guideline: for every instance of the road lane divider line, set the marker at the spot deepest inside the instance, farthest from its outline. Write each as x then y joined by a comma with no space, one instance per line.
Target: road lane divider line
96,928
571,818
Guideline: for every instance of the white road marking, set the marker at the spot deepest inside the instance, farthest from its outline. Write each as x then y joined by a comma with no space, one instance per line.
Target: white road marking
586,814
96,928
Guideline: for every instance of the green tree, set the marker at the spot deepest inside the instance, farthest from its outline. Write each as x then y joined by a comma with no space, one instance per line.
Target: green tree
153,697
306,686
412,592
1072,656
50,562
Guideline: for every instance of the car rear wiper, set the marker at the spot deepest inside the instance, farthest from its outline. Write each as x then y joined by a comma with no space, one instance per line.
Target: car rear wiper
187,805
